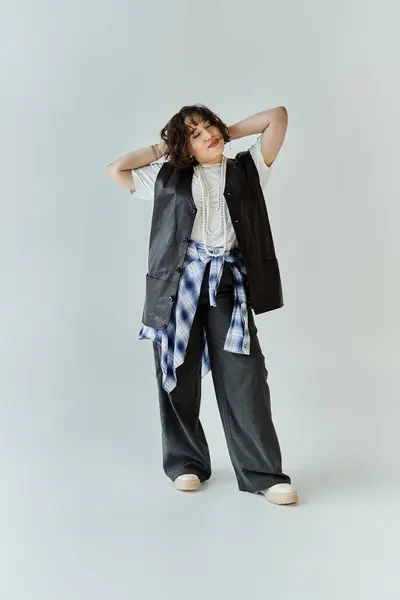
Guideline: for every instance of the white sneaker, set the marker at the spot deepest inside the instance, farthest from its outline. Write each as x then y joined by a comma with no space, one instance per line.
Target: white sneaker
187,482
281,493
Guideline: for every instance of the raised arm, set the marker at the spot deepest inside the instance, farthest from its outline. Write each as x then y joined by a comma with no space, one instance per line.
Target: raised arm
272,123
120,169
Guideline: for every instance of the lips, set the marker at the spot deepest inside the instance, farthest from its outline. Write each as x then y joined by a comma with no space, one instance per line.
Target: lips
214,143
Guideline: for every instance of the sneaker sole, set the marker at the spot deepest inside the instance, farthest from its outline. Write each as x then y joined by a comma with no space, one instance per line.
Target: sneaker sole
188,485
277,498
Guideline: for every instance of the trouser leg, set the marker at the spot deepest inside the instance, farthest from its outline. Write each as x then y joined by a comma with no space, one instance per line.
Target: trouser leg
184,445
243,397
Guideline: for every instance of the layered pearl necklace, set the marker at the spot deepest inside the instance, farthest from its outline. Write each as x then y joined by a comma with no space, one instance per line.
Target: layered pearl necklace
206,208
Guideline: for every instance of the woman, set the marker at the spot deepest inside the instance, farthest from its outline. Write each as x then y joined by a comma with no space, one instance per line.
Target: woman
212,264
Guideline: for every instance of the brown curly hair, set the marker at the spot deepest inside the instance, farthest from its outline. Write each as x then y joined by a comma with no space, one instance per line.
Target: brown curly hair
176,133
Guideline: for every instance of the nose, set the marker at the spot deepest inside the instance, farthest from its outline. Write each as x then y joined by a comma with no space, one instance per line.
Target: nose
209,135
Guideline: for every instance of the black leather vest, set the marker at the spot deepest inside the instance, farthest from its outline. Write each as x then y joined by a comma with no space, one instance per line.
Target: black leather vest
174,212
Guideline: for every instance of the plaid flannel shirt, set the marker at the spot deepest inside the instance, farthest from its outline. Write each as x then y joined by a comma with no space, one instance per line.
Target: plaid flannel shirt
174,338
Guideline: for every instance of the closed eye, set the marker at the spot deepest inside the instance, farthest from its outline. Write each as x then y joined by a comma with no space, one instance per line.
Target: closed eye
207,126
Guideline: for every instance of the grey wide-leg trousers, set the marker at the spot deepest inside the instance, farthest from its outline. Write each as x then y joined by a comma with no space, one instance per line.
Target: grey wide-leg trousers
243,397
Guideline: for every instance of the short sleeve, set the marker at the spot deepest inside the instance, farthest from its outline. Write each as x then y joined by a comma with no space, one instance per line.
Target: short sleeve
144,179
264,171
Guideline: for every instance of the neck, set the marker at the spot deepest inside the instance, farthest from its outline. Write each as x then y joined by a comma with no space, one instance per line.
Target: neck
215,161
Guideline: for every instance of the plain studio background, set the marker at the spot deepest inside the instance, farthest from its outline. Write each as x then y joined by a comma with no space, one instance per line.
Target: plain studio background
86,509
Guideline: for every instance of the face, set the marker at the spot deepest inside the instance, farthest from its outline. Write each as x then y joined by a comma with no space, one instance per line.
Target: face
206,143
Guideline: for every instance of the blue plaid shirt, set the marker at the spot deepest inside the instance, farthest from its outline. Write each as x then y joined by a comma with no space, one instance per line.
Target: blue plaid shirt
174,338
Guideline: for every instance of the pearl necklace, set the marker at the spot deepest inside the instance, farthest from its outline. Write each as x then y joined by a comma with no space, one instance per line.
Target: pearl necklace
206,208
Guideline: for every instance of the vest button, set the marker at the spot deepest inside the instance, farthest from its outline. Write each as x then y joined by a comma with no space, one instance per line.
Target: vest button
193,211
172,298
186,240
179,269
164,326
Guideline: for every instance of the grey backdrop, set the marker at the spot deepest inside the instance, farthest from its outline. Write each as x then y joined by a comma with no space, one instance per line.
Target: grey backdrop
86,510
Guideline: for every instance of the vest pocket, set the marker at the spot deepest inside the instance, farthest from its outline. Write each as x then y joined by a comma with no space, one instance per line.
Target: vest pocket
159,300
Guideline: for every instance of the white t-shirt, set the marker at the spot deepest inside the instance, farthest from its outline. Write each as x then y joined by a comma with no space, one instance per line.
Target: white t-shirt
145,177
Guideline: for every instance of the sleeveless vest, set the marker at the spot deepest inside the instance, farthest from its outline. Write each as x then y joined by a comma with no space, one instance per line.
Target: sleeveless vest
173,216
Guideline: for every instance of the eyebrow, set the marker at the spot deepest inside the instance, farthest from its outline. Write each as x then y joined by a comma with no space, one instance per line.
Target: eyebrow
193,128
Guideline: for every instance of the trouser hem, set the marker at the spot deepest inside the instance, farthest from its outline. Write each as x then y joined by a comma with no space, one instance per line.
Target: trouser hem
202,476
268,483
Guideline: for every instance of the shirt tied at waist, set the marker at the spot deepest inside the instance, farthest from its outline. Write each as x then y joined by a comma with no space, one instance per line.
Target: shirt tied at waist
174,339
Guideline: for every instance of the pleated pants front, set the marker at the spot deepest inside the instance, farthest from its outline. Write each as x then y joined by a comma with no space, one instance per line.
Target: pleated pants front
243,398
